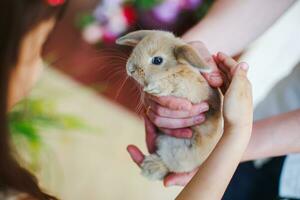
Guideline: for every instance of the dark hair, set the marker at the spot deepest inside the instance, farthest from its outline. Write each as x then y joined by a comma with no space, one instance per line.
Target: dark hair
17,17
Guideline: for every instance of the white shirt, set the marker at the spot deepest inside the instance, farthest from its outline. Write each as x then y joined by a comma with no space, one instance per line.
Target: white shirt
285,97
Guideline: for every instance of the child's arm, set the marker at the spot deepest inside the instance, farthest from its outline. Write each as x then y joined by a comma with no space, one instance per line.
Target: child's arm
214,174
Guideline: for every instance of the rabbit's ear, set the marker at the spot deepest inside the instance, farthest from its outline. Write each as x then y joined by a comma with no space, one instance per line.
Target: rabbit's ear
186,54
133,38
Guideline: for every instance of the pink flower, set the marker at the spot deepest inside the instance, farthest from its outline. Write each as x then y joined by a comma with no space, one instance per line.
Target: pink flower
168,10
92,33
55,2
190,4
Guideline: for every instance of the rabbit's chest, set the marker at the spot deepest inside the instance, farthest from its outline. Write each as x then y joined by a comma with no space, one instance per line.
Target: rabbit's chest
191,89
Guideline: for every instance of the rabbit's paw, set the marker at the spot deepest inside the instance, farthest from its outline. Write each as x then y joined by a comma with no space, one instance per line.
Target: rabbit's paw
154,168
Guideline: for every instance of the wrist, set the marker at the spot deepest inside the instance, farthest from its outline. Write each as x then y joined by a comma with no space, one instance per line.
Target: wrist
237,139
239,130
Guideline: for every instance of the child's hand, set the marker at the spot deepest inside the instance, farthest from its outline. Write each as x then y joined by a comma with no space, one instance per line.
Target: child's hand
237,108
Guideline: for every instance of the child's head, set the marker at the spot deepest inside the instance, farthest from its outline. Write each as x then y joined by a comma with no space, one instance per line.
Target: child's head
25,26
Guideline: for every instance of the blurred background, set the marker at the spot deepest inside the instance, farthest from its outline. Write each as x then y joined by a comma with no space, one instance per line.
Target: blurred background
74,128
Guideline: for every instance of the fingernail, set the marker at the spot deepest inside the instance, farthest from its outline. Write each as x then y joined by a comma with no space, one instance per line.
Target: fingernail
215,78
199,118
205,107
220,55
168,184
187,133
244,66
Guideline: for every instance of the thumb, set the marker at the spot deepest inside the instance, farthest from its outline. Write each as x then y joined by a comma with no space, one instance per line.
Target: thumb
179,179
242,69
136,154
240,80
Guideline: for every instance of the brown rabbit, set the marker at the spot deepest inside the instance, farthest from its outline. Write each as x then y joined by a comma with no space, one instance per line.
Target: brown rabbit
167,66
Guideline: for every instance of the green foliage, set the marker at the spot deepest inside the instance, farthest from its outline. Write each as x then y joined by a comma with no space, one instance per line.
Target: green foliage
30,115
84,19
146,4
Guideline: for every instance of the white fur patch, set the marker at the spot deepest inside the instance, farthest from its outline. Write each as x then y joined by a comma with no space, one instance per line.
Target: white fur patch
154,168
205,70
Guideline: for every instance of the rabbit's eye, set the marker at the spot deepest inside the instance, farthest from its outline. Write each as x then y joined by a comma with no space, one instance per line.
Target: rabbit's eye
157,60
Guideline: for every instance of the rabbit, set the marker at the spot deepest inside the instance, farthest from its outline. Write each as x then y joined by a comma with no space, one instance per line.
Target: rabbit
165,65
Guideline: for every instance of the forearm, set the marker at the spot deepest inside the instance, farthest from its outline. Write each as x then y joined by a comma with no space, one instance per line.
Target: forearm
275,136
231,25
215,173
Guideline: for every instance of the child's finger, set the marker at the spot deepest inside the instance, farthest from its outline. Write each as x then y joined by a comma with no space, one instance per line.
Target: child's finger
228,62
240,75
244,66
240,80
214,77
180,179
136,154
179,133
226,72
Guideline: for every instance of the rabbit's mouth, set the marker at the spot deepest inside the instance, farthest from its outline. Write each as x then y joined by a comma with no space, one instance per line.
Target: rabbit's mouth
152,88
